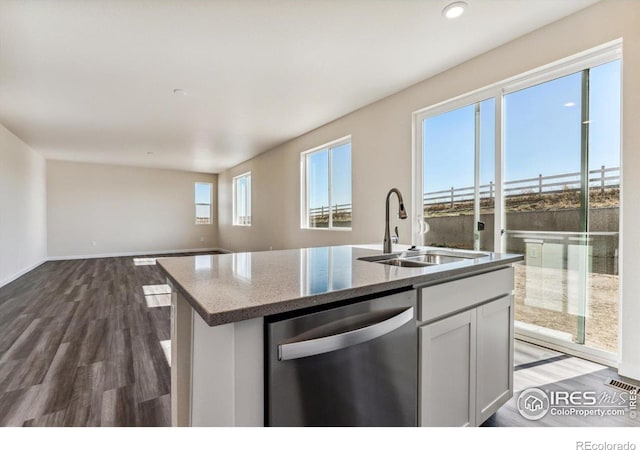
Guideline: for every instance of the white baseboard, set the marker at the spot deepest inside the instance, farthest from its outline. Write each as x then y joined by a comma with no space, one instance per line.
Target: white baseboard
629,370
17,275
138,253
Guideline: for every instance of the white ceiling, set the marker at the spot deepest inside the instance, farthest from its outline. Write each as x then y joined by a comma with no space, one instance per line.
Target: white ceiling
93,80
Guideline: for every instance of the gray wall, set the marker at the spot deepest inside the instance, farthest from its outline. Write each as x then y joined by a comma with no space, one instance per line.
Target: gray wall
382,138
382,141
23,218
99,209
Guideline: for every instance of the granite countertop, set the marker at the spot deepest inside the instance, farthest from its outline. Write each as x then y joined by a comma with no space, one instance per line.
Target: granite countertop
232,287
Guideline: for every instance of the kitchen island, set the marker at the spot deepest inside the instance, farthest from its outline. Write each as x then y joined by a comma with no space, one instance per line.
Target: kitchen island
221,305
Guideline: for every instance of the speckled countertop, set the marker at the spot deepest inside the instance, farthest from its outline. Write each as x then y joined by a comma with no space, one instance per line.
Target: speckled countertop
238,286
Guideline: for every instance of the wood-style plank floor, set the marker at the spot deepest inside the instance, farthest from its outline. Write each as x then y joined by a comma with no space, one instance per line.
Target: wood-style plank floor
553,371
79,346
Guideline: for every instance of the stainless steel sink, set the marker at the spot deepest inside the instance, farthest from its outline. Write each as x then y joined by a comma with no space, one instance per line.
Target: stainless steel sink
402,262
423,258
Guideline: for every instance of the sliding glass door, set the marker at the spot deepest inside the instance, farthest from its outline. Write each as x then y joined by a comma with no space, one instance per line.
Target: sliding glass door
532,166
458,190
561,191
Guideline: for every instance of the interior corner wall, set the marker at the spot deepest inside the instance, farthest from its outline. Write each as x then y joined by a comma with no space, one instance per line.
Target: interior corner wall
23,226
103,210
381,151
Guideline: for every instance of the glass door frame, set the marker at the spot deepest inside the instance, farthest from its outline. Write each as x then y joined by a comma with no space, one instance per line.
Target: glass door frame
474,98
602,54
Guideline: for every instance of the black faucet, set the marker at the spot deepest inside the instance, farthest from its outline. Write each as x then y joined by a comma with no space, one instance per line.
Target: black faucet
402,214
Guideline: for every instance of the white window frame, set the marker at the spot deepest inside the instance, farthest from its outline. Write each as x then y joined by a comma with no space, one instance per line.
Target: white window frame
602,54
599,55
210,204
247,200
304,189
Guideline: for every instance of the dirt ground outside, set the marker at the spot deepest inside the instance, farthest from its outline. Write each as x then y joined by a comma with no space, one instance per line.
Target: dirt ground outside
547,298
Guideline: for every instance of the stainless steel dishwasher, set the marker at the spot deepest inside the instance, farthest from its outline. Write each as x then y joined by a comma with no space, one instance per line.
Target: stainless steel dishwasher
353,365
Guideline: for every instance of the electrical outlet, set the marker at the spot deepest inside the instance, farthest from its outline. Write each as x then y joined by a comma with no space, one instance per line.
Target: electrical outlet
94,243
201,238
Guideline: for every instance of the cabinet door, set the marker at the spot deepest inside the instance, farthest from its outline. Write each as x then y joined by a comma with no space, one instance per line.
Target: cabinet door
494,384
447,371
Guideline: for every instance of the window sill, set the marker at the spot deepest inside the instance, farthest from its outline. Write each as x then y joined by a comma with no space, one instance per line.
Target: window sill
326,229
242,225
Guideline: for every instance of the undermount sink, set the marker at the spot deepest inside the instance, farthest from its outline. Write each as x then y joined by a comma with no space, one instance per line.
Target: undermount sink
402,262
422,258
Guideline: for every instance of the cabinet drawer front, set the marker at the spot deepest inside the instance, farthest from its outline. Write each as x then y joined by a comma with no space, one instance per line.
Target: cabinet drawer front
449,297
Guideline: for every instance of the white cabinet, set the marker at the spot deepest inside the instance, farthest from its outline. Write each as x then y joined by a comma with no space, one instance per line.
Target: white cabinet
447,368
494,356
466,359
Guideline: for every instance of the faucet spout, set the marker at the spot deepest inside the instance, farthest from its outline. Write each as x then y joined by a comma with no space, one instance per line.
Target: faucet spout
402,214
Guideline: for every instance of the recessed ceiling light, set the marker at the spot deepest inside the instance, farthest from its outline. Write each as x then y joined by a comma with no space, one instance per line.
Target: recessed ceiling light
180,92
570,104
454,10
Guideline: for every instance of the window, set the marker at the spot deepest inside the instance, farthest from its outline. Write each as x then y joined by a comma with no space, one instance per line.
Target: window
326,186
242,200
203,203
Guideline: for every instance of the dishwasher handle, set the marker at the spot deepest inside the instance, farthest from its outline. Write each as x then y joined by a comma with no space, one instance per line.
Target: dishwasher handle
325,344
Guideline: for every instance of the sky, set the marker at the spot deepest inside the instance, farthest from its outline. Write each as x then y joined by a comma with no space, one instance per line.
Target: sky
243,196
542,132
449,147
318,165
203,195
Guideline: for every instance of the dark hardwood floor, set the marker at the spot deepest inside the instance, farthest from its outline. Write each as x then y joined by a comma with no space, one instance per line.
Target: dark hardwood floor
79,346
